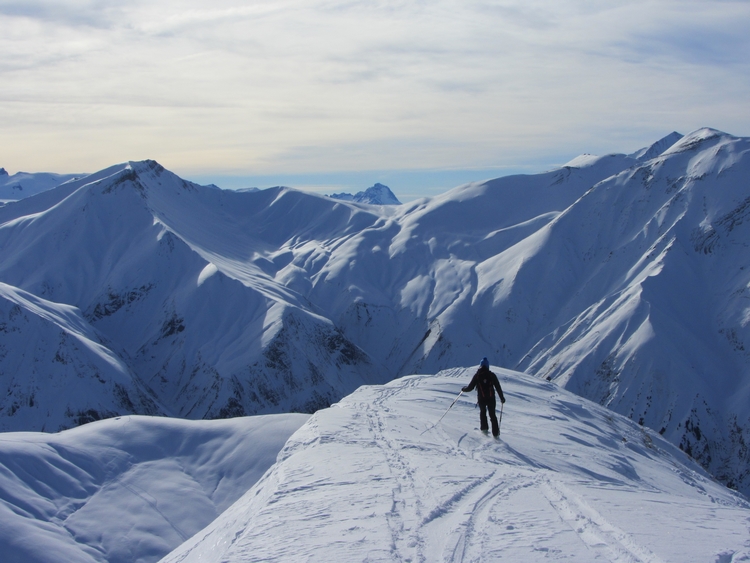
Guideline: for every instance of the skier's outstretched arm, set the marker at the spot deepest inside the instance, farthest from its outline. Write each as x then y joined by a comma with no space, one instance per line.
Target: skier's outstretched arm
470,386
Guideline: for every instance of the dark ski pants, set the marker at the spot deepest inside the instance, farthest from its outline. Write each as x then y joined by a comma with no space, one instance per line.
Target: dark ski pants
483,408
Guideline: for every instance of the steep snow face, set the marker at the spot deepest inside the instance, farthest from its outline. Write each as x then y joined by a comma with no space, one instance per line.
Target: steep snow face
24,184
130,488
56,371
378,194
371,479
647,315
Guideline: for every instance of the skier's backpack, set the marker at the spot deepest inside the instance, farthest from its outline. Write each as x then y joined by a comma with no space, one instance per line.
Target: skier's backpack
484,385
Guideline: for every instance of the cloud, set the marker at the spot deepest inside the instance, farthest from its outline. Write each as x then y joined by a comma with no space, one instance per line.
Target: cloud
75,13
303,84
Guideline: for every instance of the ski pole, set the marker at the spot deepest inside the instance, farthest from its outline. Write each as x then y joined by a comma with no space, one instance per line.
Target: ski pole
499,422
446,412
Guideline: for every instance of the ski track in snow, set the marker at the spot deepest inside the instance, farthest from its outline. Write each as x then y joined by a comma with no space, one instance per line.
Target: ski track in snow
482,497
599,535
406,506
470,509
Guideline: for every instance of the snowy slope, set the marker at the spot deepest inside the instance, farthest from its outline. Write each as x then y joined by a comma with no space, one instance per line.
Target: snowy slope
127,489
25,184
378,194
622,278
369,480
56,370
650,318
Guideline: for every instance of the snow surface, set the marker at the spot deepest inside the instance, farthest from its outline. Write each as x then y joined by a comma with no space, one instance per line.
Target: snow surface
203,330
127,489
371,479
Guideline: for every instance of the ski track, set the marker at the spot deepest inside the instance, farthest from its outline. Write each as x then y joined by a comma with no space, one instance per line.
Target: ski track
467,513
465,520
599,535
477,526
407,543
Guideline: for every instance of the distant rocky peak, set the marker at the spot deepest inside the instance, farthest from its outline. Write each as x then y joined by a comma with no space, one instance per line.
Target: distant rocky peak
3,172
379,194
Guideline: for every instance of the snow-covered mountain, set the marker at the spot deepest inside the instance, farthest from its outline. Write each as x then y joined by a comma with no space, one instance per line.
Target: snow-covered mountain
622,278
369,480
130,488
25,184
195,317
378,194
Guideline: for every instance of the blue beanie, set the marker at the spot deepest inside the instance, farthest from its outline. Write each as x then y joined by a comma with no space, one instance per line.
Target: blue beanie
485,363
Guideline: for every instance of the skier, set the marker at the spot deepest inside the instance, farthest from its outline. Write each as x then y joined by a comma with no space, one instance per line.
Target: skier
486,382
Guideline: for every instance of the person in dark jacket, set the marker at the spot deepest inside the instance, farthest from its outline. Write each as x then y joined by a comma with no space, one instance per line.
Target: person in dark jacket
486,382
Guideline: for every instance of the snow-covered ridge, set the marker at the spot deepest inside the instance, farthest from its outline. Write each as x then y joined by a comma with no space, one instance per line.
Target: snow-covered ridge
25,184
623,279
109,245
370,479
386,474
618,162
39,332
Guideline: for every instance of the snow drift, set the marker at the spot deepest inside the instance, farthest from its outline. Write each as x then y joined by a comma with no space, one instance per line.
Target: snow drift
372,478
129,488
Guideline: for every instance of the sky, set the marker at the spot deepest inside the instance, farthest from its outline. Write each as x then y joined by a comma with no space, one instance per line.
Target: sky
335,95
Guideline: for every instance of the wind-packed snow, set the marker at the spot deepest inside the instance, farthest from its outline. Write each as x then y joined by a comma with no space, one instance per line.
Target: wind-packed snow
371,479
127,489
623,278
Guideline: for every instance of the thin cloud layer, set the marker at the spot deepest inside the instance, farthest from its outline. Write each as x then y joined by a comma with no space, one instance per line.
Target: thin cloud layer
301,86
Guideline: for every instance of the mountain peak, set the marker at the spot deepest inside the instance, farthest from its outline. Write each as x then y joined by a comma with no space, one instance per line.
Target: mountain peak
378,194
3,172
655,149
693,140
